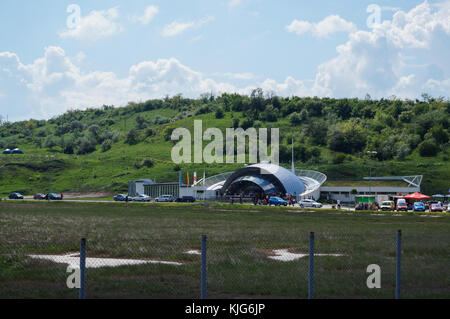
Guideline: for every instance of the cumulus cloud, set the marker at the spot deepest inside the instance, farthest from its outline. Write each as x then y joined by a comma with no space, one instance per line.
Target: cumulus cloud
406,56
148,16
234,3
96,25
176,28
388,60
327,26
53,84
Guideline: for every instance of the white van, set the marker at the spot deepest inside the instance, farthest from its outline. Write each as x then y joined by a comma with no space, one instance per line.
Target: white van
402,205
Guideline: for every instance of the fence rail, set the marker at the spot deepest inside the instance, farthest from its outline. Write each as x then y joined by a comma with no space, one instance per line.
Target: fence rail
315,265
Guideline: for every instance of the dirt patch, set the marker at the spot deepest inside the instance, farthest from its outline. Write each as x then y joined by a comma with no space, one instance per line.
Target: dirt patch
430,216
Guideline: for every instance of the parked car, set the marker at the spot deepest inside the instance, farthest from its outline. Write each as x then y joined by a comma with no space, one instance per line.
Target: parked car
15,196
165,198
17,151
186,199
436,208
53,196
402,205
387,205
277,201
39,196
419,207
142,198
7,151
309,203
120,197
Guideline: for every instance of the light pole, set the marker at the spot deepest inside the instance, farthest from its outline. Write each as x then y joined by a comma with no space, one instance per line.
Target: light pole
370,169
48,172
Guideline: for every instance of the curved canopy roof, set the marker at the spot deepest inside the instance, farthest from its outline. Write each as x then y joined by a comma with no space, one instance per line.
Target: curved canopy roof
279,176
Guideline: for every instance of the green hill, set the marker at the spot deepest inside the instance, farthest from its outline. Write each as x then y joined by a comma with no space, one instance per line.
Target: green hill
102,149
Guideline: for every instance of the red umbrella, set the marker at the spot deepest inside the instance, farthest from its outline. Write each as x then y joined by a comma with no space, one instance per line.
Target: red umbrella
416,196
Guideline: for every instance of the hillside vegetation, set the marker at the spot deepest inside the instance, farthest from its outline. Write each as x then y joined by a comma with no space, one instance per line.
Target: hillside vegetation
104,148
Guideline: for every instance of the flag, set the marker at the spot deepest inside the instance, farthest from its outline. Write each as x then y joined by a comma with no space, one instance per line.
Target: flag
195,177
187,178
179,179
204,178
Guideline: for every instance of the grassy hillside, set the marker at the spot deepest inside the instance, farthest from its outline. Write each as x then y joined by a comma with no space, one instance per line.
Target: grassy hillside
102,149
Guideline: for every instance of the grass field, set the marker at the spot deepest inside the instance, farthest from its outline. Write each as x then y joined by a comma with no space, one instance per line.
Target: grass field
240,239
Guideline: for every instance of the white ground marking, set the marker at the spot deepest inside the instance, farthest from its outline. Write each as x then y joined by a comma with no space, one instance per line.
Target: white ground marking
193,252
73,260
285,255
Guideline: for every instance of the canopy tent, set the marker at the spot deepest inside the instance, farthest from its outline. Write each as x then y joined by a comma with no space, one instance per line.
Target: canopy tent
416,196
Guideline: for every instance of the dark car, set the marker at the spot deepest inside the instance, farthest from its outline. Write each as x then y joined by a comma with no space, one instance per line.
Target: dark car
15,196
17,151
7,151
186,199
39,196
120,198
53,196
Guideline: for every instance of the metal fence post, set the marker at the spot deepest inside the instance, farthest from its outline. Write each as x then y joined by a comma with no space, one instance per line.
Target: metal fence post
311,267
82,268
203,268
398,266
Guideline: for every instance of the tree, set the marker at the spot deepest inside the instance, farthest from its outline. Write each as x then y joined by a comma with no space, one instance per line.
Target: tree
439,134
141,122
50,142
132,137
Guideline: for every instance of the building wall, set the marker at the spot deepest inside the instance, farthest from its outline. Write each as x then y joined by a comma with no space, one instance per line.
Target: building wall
343,193
156,190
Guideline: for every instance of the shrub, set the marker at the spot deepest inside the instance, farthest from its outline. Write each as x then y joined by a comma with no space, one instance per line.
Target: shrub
132,137
339,158
149,132
219,113
50,142
106,145
428,149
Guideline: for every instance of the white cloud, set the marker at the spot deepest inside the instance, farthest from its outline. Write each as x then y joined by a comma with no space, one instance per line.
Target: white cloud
95,26
405,57
176,28
235,3
388,60
239,76
148,16
327,26
53,84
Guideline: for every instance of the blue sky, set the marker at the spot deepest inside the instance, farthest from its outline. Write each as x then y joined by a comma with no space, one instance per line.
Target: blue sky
135,50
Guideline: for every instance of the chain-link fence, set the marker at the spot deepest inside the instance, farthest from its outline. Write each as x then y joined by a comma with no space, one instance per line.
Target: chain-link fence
343,266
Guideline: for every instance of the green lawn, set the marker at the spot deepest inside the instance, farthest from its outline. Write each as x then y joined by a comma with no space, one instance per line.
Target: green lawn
240,239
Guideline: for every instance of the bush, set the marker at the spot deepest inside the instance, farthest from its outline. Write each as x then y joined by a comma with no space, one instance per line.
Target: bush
160,120
219,113
50,142
85,145
106,145
148,162
428,149
132,137
149,132
339,158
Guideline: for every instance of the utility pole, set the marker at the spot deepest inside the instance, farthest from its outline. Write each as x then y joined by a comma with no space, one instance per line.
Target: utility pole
370,169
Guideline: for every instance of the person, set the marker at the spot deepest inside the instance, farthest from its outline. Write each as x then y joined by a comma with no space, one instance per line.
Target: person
339,204
126,199
62,195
